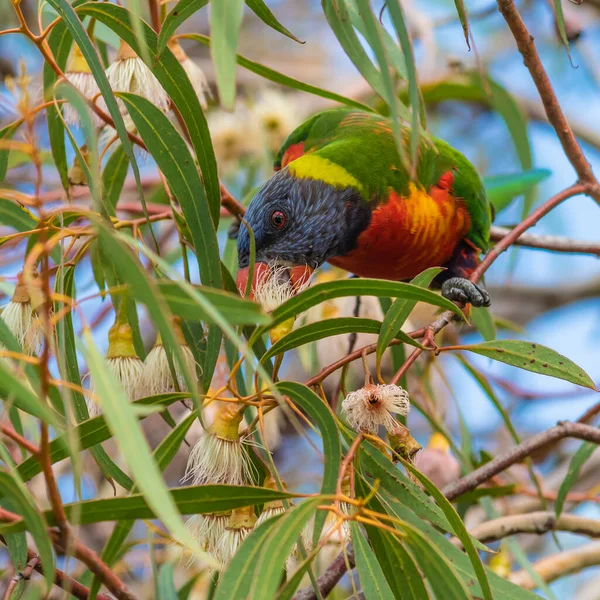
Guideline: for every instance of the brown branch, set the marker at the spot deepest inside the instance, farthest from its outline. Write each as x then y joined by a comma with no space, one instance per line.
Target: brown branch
558,565
518,453
328,580
553,243
19,439
539,522
556,117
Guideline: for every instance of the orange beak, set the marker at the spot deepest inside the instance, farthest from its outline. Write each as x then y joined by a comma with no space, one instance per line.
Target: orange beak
298,277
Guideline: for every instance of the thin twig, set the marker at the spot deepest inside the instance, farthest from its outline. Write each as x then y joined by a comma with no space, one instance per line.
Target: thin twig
556,117
558,565
539,522
553,243
518,453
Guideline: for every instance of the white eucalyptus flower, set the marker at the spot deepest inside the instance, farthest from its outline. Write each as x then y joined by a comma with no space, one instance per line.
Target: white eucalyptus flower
79,74
129,73
238,528
374,405
194,72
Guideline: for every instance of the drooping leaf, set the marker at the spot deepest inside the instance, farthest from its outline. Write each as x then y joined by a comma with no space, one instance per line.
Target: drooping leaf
282,79
580,457
441,575
176,83
396,315
237,579
533,357
459,529
370,574
321,414
269,566
113,178
22,502
337,16
461,9
176,163
375,40
355,287
263,12
560,24
6,135
236,310
327,328
225,23
190,500
483,321
183,10
501,190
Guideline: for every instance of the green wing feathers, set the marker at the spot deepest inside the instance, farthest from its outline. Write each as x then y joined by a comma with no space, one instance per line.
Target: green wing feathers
363,144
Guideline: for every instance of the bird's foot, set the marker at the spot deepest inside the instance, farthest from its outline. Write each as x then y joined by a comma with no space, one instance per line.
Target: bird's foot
459,289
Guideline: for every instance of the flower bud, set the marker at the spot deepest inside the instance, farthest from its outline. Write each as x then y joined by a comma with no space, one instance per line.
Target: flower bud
79,75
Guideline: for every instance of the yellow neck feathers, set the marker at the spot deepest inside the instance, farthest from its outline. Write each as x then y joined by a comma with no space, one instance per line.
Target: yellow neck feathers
312,166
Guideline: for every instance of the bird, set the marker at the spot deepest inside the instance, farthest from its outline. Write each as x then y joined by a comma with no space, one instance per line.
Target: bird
342,194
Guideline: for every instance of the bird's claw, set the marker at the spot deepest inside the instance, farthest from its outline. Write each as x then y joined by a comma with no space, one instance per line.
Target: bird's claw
459,289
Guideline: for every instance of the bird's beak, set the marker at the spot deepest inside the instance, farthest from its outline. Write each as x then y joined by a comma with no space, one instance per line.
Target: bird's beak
298,275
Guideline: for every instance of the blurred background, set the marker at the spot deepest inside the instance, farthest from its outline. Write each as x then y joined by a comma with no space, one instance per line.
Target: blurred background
551,298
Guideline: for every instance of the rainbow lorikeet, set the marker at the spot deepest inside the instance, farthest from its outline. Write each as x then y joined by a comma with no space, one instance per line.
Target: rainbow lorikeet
341,195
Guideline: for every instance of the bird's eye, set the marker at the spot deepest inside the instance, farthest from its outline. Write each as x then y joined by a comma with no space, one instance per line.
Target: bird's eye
278,219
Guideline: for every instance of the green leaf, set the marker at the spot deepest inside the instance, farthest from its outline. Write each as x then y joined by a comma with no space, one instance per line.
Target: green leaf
481,317
183,10
579,459
459,529
501,190
370,574
375,39
502,588
200,499
6,135
17,548
400,310
461,9
354,287
282,79
338,18
165,585
24,504
237,579
402,488
134,448
113,178
176,163
69,370
236,310
81,38
89,433
441,575
176,83
326,328
225,23
270,564
321,414
14,392
399,22
533,357
16,216
560,24
263,12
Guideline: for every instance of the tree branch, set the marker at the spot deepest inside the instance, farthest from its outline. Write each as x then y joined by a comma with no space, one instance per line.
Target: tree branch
518,453
559,565
554,243
327,581
536,522
556,117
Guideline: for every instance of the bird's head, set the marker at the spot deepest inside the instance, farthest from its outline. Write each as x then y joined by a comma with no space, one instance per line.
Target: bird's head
298,224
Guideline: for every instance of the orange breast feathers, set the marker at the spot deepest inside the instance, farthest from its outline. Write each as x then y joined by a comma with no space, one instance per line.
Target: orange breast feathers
409,234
